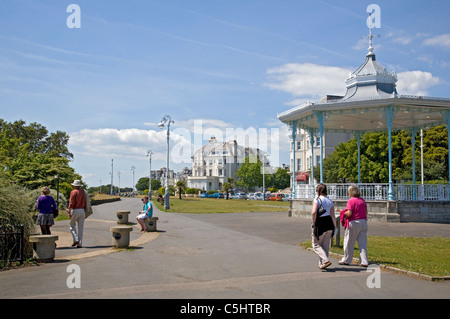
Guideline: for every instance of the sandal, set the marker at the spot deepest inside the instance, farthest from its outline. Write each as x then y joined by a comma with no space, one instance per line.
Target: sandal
325,265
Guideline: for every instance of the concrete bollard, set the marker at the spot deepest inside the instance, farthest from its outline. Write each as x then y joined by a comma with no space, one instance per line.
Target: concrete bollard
150,223
43,247
121,236
122,216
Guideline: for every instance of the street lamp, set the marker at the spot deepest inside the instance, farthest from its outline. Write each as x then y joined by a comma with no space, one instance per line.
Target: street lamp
149,154
166,120
133,168
118,174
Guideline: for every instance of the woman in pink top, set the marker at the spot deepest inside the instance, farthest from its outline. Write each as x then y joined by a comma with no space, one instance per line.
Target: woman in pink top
356,215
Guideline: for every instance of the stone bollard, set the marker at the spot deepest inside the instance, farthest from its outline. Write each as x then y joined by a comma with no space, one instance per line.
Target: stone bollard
121,236
122,216
150,223
43,247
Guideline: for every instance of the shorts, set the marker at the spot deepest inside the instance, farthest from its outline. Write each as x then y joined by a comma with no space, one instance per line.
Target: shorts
142,216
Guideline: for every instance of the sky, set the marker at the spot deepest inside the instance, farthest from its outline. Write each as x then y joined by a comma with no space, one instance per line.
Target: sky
107,71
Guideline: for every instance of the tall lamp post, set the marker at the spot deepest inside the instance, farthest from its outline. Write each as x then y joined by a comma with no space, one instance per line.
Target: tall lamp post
166,120
133,168
149,154
118,174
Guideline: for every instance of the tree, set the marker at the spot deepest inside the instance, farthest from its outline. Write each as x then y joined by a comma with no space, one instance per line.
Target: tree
249,174
342,164
31,157
280,179
181,186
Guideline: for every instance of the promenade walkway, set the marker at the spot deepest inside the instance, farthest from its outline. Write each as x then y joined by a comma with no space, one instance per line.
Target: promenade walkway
241,255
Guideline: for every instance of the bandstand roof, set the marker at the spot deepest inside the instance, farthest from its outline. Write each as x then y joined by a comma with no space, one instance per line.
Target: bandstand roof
371,91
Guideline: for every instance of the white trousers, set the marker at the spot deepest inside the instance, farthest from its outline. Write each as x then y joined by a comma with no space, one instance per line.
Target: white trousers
78,216
321,246
356,232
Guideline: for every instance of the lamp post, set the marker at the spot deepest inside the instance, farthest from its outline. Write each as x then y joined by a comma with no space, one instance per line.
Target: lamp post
133,168
149,154
118,174
166,120
57,190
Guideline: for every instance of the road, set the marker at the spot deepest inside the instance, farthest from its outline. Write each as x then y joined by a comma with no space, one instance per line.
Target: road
214,256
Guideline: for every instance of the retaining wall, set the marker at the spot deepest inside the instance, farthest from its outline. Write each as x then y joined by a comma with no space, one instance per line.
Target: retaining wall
386,211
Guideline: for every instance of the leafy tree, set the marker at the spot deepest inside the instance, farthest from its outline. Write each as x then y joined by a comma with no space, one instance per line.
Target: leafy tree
249,174
181,186
280,179
342,164
31,157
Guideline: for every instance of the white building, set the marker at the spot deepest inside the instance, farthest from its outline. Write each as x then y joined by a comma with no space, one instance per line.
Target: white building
215,162
304,150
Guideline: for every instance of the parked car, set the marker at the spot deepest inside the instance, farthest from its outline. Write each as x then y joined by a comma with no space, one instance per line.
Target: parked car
204,195
276,197
287,197
216,195
259,196
254,196
240,196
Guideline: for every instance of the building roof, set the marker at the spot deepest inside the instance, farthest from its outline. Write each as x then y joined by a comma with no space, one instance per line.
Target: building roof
371,91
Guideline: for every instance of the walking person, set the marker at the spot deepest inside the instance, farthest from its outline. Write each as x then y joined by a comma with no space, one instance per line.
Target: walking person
354,219
77,213
323,225
45,204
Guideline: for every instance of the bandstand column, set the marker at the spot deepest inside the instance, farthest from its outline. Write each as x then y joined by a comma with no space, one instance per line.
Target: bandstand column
389,124
320,121
358,143
447,118
294,133
413,144
311,135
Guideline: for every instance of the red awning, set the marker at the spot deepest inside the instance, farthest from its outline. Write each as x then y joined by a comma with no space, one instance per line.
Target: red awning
302,177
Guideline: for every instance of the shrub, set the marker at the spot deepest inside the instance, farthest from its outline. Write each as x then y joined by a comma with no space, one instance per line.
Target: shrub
15,207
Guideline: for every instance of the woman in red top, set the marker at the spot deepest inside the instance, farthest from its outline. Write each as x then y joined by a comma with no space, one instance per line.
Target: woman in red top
356,215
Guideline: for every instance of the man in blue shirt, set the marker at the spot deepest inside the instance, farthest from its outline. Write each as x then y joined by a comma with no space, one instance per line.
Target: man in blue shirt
147,211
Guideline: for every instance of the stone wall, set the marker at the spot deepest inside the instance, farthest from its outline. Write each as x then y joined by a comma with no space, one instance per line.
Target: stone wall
386,211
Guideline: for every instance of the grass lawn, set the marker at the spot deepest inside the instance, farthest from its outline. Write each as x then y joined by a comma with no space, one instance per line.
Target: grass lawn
197,205
428,256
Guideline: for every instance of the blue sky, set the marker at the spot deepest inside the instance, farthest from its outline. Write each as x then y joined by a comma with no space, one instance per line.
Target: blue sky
214,64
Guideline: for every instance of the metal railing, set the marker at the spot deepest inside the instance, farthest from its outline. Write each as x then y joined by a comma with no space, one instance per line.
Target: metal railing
406,192
11,245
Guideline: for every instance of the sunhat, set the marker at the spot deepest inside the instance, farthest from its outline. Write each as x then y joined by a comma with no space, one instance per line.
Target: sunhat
76,183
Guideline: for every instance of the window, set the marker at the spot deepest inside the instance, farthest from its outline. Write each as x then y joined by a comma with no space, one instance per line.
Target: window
299,164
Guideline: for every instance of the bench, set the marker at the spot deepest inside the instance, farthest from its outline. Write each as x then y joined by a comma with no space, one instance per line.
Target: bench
150,223
43,247
121,236
122,216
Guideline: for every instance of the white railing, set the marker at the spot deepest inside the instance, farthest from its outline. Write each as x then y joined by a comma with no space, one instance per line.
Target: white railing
408,192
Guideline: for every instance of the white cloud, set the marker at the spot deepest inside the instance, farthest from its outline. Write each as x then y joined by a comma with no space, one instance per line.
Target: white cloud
312,81
442,40
415,82
308,80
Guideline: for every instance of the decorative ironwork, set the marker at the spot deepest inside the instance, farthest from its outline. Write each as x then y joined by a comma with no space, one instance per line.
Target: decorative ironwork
11,245
380,192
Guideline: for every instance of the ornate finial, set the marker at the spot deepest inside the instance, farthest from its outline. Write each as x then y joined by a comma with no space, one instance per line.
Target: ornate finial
370,35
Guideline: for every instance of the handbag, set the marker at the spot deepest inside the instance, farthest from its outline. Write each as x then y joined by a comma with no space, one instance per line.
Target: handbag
320,210
55,212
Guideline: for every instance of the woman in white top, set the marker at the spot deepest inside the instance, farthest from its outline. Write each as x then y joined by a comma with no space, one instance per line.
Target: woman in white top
323,225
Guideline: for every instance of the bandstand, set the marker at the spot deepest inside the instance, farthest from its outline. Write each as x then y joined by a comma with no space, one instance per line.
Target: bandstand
371,103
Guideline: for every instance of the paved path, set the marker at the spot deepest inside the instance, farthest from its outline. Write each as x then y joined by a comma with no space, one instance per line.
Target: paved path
250,255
